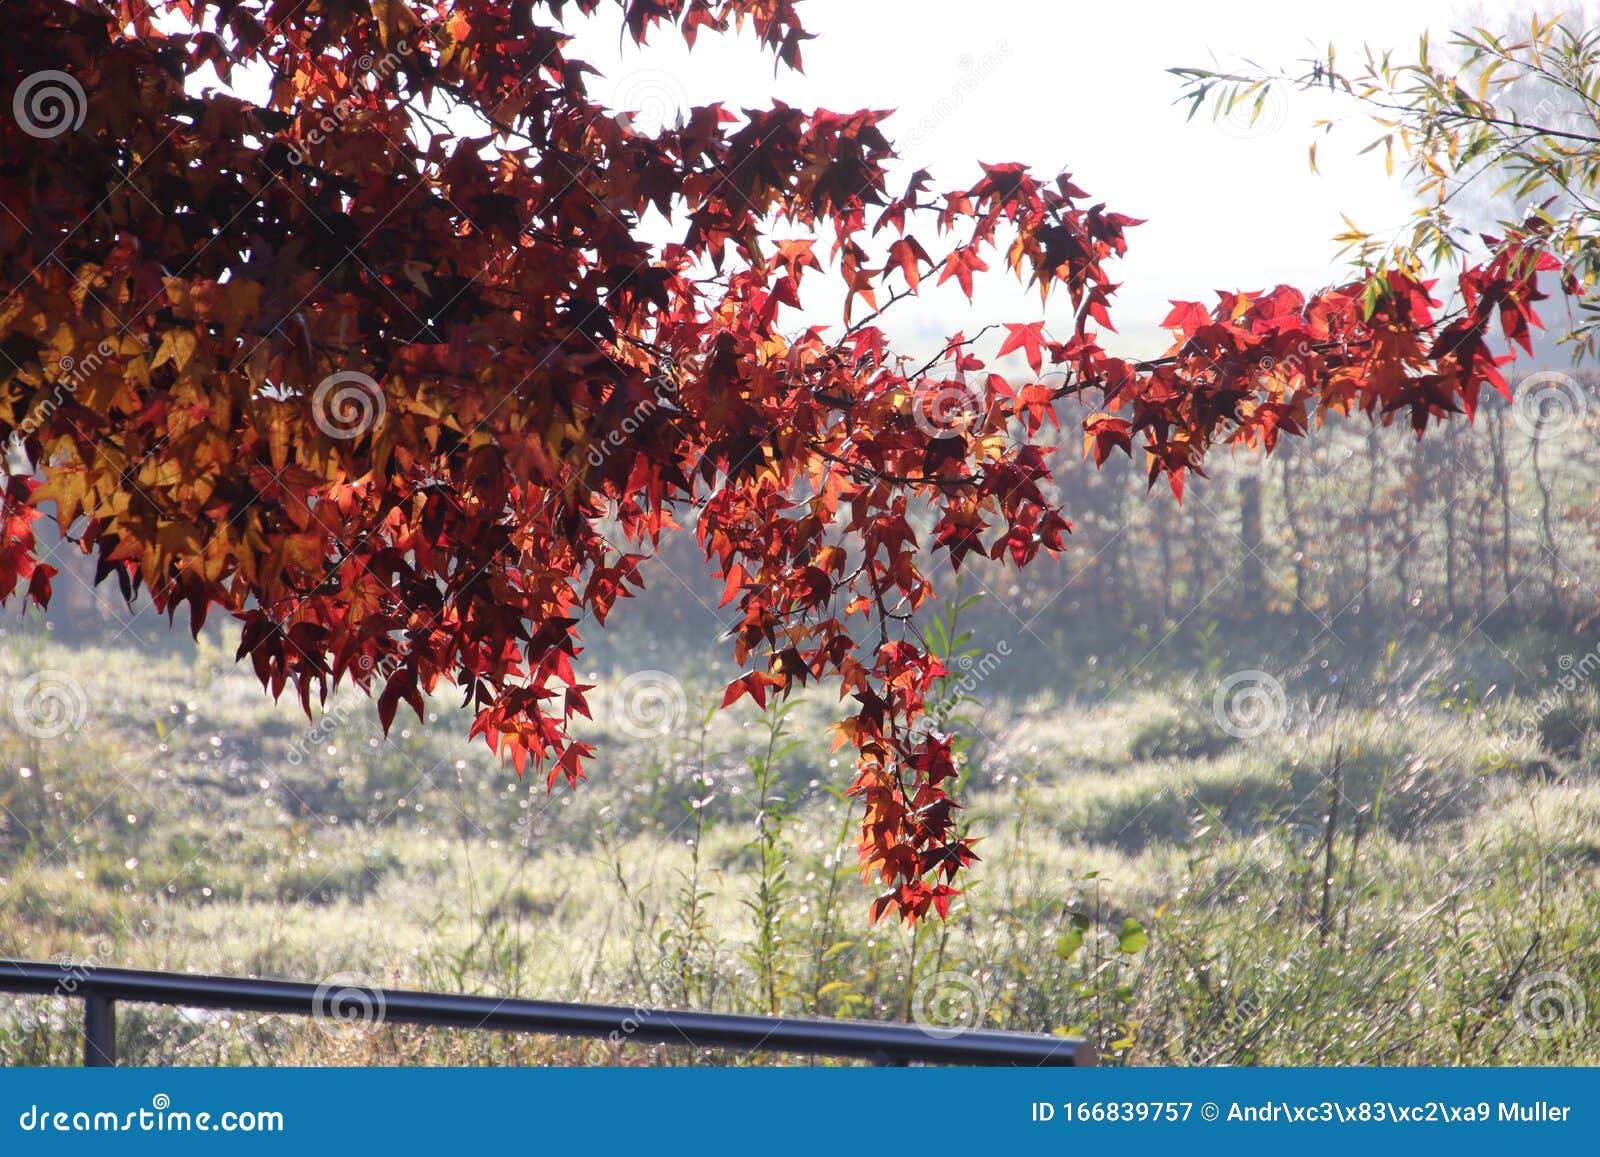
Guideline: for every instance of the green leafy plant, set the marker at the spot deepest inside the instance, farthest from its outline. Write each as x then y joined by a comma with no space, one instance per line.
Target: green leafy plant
769,903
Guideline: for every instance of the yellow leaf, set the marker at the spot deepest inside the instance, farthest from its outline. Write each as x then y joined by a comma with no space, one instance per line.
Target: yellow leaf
241,304
990,449
395,20
214,559
161,473
67,489
278,441
137,371
177,346
180,540
304,552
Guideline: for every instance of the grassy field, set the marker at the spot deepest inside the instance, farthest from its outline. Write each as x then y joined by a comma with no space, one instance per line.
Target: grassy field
1194,867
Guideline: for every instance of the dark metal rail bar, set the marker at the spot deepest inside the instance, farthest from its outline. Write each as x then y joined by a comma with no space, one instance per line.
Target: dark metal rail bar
886,1044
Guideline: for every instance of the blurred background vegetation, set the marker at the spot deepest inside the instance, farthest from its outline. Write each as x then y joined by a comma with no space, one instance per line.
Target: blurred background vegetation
1388,856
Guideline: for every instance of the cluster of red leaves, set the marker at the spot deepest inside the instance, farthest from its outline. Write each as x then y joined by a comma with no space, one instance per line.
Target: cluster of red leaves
1258,365
554,393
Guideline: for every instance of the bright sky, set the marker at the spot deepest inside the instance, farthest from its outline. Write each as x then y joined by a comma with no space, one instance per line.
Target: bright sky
1060,84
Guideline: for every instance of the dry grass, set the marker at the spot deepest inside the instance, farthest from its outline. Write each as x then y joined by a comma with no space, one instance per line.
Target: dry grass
190,825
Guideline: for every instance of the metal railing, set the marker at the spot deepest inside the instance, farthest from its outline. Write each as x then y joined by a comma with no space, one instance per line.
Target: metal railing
884,1044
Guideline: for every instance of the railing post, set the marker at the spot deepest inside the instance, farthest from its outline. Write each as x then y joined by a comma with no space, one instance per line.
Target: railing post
99,1031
